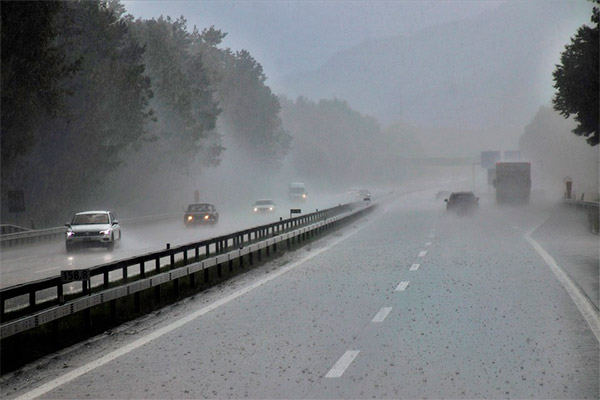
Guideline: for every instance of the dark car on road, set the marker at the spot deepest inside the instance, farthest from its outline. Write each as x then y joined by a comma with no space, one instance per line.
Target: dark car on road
201,213
462,203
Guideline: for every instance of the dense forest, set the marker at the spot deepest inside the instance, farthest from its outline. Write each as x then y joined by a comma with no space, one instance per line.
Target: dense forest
101,110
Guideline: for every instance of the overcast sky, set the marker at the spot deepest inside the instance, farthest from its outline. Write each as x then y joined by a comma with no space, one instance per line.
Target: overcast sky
294,36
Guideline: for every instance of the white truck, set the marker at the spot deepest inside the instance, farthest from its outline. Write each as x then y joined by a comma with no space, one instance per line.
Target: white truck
297,191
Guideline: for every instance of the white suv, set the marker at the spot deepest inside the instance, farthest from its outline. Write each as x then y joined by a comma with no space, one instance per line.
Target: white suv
93,228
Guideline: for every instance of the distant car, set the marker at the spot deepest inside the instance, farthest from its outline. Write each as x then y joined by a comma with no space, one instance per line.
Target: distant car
462,203
201,213
364,194
263,206
92,228
442,194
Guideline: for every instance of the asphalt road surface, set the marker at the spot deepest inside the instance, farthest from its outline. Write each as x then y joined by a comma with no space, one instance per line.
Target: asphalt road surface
409,302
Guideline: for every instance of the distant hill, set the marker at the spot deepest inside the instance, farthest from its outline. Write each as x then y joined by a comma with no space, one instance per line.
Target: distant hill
470,85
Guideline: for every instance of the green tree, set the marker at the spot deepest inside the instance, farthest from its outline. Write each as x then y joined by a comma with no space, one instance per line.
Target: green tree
33,68
576,80
186,111
104,116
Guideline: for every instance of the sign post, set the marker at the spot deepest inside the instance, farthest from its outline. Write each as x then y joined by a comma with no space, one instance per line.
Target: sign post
295,211
82,275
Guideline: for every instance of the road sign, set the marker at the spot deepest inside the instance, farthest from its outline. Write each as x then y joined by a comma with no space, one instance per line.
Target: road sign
295,211
489,159
74,275
16,201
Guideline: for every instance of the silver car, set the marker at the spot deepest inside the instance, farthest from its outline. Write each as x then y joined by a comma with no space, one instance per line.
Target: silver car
263,206
93,228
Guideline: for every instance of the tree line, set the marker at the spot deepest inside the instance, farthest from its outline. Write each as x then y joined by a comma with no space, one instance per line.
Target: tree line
88,90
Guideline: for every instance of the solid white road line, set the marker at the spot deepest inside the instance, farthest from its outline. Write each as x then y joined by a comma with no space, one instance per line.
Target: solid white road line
422,253
414,267
76,373
343,363
402,285
380,316
585,306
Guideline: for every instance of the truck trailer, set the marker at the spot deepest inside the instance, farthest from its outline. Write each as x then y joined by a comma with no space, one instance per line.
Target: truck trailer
513,182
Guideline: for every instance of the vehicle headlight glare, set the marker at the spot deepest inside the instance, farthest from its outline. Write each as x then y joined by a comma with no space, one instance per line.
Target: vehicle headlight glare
190,218
106,232
270,208
304,196
206,217
255,209
70,233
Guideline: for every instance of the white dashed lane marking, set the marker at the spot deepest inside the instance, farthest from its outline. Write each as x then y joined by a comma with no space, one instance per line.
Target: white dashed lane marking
343,363
414,267
401,286
382,314
427,244
422,253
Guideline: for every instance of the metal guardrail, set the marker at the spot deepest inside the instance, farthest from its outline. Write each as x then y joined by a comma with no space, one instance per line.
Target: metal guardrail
243,243
9,228
592,208
30,236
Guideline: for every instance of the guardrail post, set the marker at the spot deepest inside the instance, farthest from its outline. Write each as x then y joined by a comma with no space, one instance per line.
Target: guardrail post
193,279
197,254
250,258
219,271
105,278
230,265
185,257
32,299
241,261
206,275
259,255
142,269
176,287
124,271
207,250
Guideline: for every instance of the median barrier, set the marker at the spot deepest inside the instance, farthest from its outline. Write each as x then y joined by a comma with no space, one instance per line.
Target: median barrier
591,208
210,261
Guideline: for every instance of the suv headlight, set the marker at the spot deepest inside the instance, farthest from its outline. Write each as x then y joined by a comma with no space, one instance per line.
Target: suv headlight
189,218
70,233
105,232
255,209
206,216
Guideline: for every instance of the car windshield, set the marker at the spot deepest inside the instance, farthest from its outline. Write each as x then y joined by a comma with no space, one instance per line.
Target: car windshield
200,208
296,189
89,219
462,196
264,203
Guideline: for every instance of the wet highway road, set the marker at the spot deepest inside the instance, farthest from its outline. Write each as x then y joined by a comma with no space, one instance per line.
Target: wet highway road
27,263
407,303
